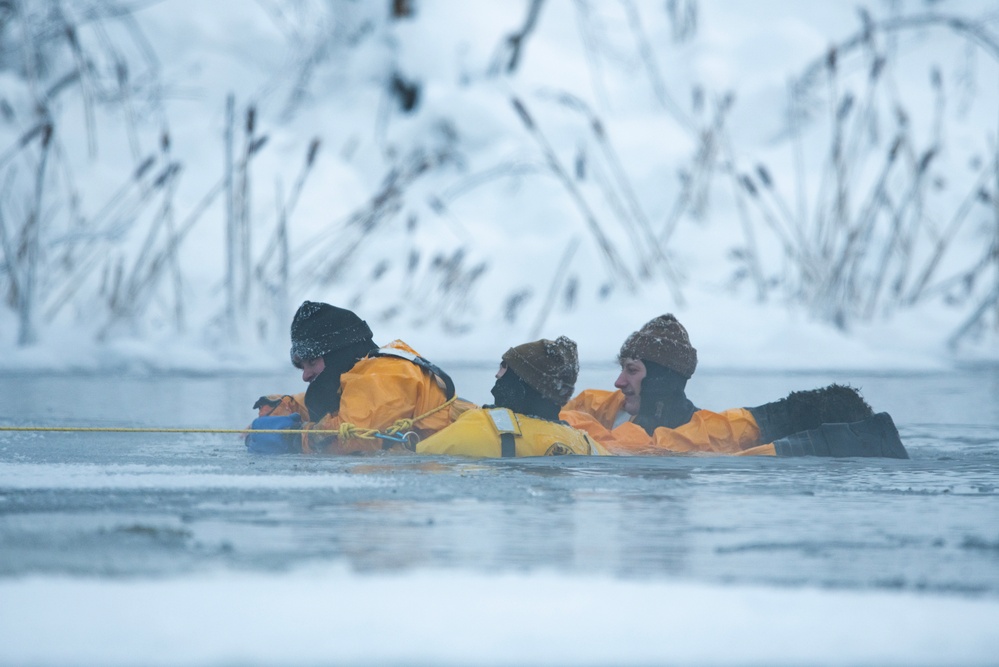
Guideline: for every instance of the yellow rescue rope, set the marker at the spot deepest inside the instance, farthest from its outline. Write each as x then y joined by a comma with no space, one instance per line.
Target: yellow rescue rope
343,432
407,424
401,430
126,429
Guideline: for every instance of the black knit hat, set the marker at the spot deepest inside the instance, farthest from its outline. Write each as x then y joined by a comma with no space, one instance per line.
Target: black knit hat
664,341
319,328
549,366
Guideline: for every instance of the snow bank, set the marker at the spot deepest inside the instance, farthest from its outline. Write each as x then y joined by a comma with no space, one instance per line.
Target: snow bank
329,615
728,333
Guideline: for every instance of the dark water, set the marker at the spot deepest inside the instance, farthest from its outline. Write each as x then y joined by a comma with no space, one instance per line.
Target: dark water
148,504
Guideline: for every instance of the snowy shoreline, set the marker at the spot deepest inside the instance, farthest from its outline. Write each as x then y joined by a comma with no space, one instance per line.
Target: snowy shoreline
329,615
728,337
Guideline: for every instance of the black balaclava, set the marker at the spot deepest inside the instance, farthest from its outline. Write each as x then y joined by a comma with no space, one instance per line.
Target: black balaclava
511,392
323,395
664,400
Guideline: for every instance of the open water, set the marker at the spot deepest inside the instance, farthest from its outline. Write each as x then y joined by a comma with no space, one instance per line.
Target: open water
125,505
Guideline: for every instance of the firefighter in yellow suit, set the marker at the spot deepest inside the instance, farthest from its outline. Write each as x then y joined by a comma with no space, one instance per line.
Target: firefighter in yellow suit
372,397
649,413
532,384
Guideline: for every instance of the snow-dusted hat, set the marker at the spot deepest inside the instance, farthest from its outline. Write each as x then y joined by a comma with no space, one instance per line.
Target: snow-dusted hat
319,328
549,366
664,341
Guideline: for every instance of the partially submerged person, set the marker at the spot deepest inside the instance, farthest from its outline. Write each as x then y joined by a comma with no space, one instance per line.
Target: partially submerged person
360,398
533,383
650,413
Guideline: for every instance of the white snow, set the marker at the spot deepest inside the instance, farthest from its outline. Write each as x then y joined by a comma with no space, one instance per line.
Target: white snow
519,223
326,614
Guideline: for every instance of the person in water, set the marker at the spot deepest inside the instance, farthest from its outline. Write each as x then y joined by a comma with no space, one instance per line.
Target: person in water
372,396
533,383
649,413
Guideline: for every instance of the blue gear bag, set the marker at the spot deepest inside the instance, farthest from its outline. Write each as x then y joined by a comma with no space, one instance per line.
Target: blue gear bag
274,443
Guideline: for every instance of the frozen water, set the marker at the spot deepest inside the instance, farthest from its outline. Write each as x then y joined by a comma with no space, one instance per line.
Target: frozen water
251,558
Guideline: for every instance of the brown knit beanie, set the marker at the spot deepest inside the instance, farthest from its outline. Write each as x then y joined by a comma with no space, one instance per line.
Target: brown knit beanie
665,342
549,366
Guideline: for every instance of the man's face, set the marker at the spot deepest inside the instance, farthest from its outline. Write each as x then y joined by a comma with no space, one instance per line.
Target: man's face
311,368
630,384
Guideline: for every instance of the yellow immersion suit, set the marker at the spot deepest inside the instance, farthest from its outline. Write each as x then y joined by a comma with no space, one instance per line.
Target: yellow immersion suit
730,432
500,432
375,394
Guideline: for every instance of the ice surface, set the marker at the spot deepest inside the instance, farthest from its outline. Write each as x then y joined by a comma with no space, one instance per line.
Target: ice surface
114,477
330,615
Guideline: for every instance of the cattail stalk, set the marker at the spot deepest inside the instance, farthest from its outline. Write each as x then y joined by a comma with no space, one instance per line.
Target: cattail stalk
27,333
616,267
557,279
232,233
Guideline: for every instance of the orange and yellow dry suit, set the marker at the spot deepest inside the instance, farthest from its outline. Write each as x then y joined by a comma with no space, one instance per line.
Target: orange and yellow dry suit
596,412
380,393
501,432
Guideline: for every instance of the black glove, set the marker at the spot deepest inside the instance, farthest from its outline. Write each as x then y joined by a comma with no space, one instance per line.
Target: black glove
807,410
775,420
875,436
267,402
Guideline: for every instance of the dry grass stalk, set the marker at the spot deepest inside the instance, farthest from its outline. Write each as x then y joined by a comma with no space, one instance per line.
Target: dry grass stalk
616,268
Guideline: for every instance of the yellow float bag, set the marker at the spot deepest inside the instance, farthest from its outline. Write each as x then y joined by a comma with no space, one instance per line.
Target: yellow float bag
500,432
